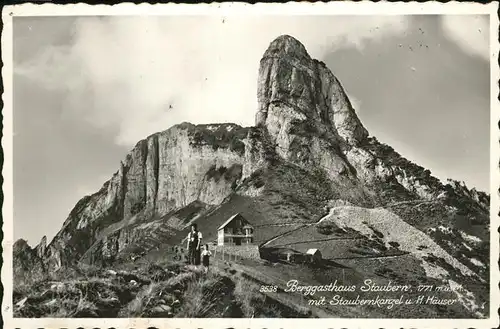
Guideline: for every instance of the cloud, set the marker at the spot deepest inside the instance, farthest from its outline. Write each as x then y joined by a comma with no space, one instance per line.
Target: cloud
470,32
139,75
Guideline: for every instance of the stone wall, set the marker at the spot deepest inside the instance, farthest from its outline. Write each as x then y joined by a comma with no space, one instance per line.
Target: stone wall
246,251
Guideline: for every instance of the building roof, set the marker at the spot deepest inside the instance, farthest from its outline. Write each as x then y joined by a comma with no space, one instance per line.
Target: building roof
312,251
294,252
229,221
286,251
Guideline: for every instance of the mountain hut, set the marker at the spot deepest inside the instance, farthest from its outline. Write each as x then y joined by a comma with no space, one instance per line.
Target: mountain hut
314,255
235,231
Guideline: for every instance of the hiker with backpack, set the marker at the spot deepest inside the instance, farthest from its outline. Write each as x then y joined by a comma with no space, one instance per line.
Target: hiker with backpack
193,245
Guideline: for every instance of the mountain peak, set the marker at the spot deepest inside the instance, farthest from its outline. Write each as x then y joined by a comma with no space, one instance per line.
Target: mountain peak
21,244
296,90
286,45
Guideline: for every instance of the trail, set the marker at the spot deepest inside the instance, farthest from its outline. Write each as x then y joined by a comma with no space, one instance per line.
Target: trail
282,234
292,299
415,202
372,257
284,224
318,240
289,299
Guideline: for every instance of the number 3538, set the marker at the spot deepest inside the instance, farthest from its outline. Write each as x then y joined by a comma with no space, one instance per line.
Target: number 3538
268,288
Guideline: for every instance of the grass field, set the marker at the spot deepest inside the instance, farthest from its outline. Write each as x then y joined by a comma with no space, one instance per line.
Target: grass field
354,272
147,290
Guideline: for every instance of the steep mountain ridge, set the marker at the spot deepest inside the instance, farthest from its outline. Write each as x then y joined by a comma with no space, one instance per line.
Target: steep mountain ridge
307,147
164,172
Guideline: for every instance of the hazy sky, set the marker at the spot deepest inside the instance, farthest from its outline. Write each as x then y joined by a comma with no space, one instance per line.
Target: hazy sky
87,89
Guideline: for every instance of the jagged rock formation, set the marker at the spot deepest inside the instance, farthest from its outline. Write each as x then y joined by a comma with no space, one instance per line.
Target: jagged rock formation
305,110
292,85
27,261
306,130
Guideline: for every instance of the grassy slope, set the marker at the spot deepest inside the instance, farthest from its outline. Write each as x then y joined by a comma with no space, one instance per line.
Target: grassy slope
464,239
386,227
147,290
354,272
338,244
368,236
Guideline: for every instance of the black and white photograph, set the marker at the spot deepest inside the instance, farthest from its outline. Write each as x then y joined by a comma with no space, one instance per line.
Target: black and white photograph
249,162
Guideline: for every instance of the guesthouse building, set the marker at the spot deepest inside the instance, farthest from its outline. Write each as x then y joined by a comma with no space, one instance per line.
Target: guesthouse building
235,231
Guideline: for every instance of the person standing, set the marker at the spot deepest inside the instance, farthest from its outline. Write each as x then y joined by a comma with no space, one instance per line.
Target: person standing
193,245
205,256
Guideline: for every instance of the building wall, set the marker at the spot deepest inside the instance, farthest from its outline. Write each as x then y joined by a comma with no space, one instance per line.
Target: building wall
245,251
247,240
220,237
234,227
225,240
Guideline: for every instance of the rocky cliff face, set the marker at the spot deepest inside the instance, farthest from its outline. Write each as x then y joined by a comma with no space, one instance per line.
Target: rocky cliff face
164,172
305,109
27,261
304,119
292,85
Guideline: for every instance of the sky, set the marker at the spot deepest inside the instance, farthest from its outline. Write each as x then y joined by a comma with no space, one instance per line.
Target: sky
87,89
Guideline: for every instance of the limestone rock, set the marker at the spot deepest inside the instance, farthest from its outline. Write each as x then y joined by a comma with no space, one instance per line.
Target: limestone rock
26,263
161,310
293,88
305,109
21,302
41,247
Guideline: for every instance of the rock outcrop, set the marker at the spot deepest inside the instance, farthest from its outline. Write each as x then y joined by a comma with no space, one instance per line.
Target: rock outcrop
305,109
27,263
296,90
41,247
304,119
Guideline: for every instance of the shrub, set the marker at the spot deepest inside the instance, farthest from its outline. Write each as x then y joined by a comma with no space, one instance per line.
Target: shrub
326,228
224,136
394,244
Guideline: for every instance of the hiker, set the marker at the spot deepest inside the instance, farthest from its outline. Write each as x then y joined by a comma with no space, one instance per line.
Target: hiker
205,256
193,245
